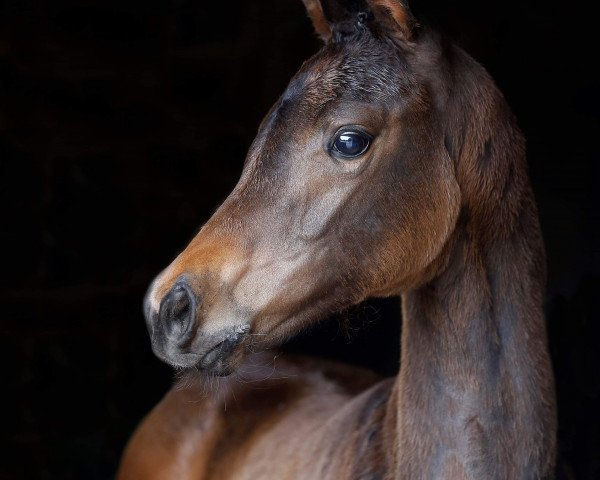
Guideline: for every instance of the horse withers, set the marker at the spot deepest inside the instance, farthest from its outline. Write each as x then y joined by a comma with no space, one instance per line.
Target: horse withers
391,165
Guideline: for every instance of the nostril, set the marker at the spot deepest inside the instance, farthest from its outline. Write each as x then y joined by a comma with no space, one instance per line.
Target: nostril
181,303
177,310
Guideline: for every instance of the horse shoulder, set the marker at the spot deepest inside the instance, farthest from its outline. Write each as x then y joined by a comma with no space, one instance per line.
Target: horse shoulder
304,411
174,440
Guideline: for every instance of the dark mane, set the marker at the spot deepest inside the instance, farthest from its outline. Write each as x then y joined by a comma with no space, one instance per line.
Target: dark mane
484,140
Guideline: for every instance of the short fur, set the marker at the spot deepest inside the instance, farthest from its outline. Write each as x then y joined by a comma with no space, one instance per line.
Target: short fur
439,211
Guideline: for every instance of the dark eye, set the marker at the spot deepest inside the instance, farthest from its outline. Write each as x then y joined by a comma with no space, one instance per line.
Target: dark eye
349,144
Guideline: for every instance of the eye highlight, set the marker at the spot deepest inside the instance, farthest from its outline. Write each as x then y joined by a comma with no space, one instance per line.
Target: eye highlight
350,143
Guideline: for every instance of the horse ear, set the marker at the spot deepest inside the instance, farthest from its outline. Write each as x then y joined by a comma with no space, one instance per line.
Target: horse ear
393,15
319,20
325,14
396,15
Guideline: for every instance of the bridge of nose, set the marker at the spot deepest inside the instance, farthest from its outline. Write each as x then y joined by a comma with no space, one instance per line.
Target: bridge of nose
200,266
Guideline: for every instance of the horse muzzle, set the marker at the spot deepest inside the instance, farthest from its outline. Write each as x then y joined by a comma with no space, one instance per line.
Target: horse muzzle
177,337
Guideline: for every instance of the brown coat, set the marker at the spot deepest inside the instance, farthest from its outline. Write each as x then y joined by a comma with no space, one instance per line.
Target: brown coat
437,209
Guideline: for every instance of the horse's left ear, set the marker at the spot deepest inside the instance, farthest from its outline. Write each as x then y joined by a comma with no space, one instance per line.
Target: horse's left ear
391,16
395,16
317,15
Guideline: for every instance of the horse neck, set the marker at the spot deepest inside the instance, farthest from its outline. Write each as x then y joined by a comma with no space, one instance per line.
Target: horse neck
475,395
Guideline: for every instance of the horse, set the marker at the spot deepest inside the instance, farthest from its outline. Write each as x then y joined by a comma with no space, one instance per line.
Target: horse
390,166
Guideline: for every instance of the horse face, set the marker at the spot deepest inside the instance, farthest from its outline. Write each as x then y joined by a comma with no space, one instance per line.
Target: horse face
347,167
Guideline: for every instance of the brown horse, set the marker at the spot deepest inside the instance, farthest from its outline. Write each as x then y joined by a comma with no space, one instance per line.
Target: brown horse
391,165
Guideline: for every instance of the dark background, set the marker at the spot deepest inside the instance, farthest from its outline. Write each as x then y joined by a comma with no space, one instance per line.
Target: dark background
123,124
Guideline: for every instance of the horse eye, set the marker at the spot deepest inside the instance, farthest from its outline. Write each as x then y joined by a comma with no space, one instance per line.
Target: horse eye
349,144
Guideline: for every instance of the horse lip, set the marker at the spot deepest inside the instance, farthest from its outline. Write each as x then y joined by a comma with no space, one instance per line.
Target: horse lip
176,359
210,357
223,350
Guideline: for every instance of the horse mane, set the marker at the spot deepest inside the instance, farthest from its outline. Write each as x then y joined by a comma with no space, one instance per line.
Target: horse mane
484,140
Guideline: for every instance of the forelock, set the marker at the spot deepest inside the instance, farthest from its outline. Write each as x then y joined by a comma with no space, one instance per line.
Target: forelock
363,69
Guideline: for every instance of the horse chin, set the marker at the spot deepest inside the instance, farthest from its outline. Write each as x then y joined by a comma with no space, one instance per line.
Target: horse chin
209,356
215,365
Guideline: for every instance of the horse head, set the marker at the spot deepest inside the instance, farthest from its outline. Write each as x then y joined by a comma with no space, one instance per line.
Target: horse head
348,191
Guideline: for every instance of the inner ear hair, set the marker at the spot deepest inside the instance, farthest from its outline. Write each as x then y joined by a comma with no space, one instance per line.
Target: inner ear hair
326,15
318,18
396,15
334,18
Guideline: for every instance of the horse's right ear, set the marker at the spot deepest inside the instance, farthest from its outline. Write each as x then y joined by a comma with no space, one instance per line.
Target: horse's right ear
319,20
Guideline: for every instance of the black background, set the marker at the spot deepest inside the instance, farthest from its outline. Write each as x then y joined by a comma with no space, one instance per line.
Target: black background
123,124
